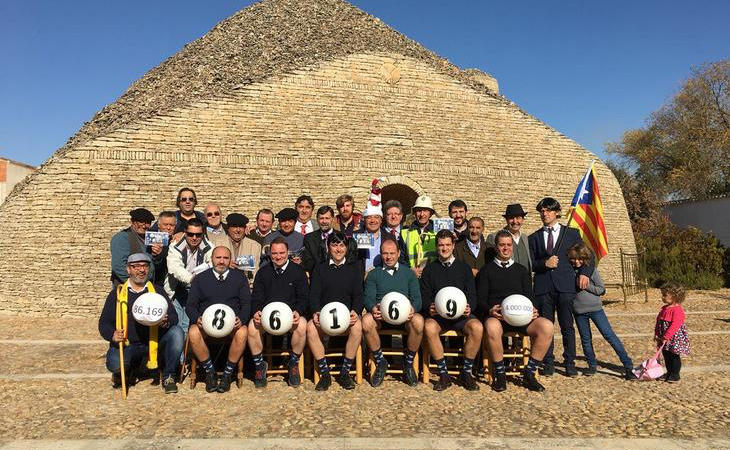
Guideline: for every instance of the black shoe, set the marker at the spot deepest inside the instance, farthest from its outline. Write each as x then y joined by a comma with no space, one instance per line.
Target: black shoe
500,382
169,385
629,375
324,383
224,385
211,381
590,371
346,381
443,383
116,380
672,378
547,370
571,371
379,374
531,383
409,375
294,379
467,381
259,376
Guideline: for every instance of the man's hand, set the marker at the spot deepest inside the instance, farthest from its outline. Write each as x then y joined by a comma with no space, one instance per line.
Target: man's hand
467,310
199,322
552,262
177,237
156,249
410,314
535,313
353,317
257,319
164,323
232,264
432,310
237,324
118,336
377,314
295,318
475,272
496,312
315,318
249,228
296,260
417,270
583,281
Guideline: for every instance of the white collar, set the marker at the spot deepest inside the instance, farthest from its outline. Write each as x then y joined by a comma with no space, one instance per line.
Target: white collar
283,268
499,262
394,268
450,261
144,288
218,275
556,227
477,245
332,262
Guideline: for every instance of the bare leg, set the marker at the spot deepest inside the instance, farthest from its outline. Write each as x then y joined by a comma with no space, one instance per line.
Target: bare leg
494,338
414,327
540,331
299,336
370,327
353,340
254,338
200,349
314,339
432,329
473,331
238,344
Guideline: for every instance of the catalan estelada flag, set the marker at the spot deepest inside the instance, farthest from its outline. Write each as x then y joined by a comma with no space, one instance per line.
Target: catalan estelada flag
586,214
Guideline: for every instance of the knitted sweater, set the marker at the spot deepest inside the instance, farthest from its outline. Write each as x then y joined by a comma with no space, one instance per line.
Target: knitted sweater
380,282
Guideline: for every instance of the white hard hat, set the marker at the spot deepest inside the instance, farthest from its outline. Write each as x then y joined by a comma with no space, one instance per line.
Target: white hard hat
424,201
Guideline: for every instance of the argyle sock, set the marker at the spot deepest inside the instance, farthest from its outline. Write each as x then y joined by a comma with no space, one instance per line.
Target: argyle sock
410,355
441,364
378,355
532,365
207,365
499,367
324,368
230,367
468,365
258,360
346,366
293,359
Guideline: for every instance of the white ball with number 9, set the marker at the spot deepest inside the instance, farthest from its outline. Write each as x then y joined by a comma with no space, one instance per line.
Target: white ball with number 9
218,320
277,318
450,302
395,308
334,318
149,309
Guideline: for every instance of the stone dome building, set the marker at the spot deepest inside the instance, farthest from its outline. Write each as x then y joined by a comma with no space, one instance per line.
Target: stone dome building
283,98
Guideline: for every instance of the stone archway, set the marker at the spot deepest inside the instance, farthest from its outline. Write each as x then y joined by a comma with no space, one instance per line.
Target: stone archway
403,189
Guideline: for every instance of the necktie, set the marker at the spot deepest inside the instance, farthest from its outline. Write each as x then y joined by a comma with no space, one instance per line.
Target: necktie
504,264
550,242
279,270
220,277
304,228
447,264
394,233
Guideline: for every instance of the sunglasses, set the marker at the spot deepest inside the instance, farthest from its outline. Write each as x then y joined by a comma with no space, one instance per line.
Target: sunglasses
187,199
213,214
189,234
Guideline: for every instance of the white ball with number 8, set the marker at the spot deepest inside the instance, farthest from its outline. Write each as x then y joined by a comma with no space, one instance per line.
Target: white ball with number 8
395,308
334,318
277,318
450,302
218,320
149,308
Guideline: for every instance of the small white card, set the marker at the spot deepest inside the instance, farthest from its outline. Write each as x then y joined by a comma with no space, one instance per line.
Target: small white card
156,237
443,224
246,262
364,240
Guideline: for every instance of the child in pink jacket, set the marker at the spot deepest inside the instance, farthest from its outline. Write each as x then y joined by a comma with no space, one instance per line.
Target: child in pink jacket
671,331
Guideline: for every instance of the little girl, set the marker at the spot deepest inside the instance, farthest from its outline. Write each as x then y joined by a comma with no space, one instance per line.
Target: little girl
671,330
588,307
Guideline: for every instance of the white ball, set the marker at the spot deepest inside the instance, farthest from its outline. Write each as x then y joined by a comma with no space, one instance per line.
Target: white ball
395,308
334,318
517,310
450,302
149,308
277,318
218,320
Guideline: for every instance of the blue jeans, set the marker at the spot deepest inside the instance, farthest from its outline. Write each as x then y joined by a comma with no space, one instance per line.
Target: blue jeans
586,339
168,353
182,317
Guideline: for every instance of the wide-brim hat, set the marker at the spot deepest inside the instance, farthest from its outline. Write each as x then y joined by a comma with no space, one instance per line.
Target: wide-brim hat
514,210
424,202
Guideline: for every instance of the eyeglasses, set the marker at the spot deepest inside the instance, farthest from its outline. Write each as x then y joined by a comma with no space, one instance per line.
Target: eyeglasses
187,199
142,266
212,214
189,234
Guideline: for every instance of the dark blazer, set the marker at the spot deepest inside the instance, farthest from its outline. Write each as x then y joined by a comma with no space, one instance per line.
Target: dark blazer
562,278
462,253
315,251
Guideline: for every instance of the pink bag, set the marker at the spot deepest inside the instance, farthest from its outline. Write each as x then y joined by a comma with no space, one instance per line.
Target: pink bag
651,369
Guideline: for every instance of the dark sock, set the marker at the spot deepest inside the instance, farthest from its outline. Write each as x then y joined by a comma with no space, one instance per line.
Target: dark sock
532,365
378,355
346,366
293,359
207,365
324,368
499,367
258,360
410,355
230,367
441,364
468,366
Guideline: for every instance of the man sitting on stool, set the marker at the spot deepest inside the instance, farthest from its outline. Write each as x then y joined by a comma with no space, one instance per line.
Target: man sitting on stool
497,280
340,281
219,285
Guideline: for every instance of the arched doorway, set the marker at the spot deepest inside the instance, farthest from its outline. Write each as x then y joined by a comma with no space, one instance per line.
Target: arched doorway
401,192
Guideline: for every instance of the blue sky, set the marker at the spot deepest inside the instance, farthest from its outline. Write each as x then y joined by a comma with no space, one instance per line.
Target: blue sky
592,70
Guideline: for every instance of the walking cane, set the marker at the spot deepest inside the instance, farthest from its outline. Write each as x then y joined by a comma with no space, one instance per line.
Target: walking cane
121,353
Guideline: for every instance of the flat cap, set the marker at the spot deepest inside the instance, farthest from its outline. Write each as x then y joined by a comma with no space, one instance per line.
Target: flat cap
236,220
139,257
287,214
141,215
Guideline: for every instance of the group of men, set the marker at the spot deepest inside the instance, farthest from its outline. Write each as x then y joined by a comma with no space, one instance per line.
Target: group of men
307,263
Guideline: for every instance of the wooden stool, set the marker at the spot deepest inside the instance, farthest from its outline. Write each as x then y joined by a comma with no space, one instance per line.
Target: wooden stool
270,353
339,352
392,351
448,352
194,367
516,348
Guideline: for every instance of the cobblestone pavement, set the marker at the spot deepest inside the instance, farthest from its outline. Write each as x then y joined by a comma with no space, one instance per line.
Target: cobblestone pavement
86,407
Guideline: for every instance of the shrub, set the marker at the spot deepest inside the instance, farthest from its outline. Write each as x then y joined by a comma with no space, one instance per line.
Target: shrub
685,255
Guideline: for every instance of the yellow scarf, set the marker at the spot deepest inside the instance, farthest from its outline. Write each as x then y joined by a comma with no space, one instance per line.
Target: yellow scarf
122,291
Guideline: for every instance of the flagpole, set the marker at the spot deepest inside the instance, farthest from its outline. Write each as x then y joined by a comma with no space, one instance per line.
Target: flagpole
585,177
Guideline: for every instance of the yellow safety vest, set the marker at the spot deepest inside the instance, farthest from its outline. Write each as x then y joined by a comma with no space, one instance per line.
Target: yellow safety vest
421,247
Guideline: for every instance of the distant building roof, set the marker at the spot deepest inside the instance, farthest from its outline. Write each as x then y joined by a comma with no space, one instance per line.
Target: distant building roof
17,162
693,200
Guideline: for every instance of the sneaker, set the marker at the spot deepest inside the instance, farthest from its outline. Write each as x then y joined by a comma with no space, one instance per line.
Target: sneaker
500,382
259,376
571,371
324,383
467,381
590,371
379,374
629,375
531,383
211,381
294,379
169,385
409,375
346,381
443,383
224,385
548,370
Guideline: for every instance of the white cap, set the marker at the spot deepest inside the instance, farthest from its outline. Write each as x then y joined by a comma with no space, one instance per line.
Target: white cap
371,210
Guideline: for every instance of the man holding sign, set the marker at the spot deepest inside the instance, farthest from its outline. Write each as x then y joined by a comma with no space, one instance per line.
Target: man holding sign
245,252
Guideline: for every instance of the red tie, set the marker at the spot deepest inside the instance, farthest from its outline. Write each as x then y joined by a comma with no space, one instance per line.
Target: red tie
394,233
304,228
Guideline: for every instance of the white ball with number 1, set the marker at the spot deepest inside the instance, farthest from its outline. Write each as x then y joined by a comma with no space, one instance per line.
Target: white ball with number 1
395,308
218,320
334,318
277,318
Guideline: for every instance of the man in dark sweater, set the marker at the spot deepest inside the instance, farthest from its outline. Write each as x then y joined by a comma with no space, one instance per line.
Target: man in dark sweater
498,279
393,276
448,271
219,285
170,336
280,281
315,242
341,281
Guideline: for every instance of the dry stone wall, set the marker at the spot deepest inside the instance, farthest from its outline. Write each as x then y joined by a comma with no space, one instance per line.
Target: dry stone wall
325,130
